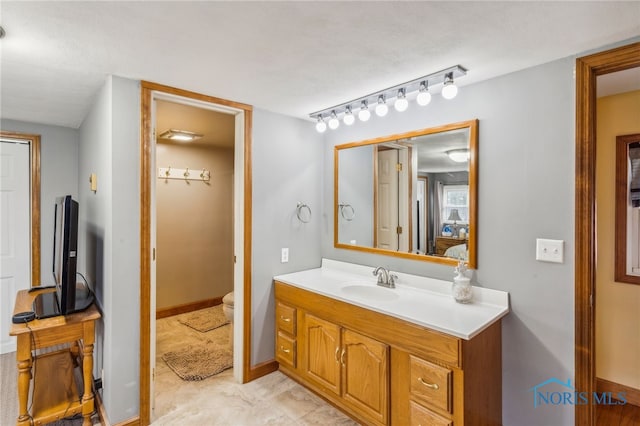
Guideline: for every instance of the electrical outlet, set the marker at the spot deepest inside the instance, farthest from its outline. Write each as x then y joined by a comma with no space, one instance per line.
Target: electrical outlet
549,250
284,255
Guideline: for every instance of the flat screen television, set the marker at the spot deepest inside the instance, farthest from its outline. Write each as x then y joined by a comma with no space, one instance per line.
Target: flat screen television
68,297
65,246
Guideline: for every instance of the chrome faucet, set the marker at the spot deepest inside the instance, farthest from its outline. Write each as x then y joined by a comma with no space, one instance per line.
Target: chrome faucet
385,278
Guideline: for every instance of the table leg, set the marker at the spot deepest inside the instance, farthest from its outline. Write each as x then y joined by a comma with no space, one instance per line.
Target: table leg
24,361
87,372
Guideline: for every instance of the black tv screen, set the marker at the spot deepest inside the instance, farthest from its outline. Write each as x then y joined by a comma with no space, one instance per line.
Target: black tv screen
65,244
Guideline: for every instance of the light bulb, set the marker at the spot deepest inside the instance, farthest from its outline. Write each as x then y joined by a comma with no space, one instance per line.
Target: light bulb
381,109
321,126
450,90
364,114
348,118
333,121
424,97
401,104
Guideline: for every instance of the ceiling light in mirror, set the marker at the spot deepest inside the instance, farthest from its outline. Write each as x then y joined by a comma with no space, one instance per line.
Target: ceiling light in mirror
459,155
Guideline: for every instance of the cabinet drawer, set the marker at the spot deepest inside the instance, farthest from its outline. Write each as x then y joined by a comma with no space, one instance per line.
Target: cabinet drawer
286,350
420,416
431,384
286,318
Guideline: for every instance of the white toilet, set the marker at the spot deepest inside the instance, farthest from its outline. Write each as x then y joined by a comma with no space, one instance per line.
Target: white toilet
227,308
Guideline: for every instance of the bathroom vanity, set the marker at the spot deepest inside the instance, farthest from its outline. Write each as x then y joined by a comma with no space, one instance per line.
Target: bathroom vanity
404,356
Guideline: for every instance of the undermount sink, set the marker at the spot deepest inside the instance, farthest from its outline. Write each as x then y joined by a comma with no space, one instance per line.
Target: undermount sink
369,291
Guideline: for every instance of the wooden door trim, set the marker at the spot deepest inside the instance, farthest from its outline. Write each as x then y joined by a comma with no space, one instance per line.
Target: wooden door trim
147,89
34,188
587,69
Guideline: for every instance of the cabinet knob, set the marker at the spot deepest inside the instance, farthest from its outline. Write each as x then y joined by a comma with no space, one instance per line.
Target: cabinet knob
285,319
286,351
433,386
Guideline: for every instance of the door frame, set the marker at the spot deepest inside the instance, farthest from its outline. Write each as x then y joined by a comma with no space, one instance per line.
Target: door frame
587,69
34,187
146,174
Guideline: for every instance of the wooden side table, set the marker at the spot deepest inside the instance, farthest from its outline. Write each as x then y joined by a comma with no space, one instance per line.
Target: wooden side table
54,395
443,243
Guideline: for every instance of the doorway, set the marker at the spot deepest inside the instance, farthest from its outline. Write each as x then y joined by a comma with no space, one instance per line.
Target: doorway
194,228
242,115
20,184
588,68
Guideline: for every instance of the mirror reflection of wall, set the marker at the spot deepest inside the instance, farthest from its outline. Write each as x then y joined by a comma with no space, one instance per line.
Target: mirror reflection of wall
407,194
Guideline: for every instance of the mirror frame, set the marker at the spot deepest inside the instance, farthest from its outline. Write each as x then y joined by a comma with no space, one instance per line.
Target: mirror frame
622,191
473,193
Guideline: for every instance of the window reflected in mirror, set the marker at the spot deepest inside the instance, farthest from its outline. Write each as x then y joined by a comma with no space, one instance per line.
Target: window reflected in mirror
410,195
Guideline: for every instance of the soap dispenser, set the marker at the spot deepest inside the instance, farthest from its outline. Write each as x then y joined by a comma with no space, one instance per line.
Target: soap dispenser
461,287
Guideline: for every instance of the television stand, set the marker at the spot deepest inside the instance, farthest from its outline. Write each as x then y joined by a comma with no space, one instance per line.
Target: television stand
54,393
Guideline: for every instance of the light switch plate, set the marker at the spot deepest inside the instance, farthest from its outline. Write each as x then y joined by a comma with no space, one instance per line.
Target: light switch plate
284,255
549,250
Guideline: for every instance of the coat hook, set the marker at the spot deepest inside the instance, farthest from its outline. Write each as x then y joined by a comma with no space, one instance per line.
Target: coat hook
167,172
202,175
186,173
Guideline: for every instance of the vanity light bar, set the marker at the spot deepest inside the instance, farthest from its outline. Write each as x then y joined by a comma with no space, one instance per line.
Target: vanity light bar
447,75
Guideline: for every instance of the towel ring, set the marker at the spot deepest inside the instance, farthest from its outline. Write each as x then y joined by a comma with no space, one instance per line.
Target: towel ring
348,215
299,208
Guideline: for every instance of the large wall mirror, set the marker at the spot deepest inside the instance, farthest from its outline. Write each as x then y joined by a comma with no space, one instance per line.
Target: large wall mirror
627,261
412,195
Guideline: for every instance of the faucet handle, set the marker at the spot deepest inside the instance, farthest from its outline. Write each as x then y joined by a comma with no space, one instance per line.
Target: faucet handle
392,280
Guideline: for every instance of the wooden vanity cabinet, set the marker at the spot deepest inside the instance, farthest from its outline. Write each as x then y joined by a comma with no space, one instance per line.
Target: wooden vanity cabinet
351,366
383,370
286,324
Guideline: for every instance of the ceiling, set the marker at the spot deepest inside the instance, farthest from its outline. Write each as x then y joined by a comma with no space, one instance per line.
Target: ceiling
292,58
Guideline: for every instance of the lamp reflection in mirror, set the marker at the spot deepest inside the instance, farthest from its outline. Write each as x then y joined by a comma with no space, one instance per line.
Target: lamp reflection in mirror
459,155
454,216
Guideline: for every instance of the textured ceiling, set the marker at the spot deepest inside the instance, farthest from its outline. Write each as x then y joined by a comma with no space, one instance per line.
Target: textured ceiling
288,57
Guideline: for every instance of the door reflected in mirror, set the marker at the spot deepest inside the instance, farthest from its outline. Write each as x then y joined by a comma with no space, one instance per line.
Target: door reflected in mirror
411,195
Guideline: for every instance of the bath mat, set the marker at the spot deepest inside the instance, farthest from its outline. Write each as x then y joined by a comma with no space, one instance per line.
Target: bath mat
205,319
197,362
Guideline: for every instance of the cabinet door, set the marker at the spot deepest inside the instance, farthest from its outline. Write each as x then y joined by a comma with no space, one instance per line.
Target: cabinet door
365,376
321,361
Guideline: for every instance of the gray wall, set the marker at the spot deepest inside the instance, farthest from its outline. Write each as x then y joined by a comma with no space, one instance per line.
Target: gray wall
526,191
58,176
109,237
287,165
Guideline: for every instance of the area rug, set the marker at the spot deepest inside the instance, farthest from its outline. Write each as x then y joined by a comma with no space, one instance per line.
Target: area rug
205,319
197,362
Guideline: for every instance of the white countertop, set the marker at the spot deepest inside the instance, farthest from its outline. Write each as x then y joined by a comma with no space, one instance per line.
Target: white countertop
420,300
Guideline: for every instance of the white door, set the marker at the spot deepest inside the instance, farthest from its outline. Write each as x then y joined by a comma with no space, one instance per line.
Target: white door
15,257
387,199
404,197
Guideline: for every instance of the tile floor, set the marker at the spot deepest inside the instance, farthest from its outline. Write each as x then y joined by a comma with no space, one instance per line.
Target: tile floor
271,400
